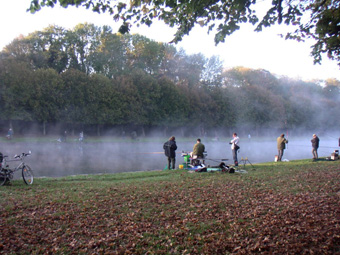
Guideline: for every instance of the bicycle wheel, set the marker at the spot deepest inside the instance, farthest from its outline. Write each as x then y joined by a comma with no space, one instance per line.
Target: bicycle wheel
27,175
3,177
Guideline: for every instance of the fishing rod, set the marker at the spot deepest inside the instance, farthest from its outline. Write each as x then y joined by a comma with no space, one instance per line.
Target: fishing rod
332,137
155,152
286,133
287,140
217,160
331,147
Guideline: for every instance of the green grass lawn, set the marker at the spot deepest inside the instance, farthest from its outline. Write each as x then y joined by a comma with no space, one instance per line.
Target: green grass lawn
278,208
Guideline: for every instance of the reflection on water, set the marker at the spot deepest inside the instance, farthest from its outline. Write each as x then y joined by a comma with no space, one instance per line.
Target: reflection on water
62,159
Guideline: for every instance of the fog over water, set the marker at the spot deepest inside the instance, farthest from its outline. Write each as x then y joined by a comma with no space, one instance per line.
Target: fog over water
62,159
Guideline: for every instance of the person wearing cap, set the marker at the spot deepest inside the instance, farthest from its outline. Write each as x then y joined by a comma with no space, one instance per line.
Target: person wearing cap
315,145
281,146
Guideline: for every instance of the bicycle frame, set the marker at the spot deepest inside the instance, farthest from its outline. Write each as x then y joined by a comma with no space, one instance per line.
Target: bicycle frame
13,160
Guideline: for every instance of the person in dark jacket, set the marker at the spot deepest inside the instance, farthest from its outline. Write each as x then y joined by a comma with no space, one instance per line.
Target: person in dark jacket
315,144
170,148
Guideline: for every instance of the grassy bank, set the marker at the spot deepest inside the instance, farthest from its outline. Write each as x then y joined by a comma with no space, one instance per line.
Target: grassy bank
279,208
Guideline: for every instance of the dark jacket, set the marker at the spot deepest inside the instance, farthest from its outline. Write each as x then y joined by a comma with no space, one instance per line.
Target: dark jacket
169,149
315,142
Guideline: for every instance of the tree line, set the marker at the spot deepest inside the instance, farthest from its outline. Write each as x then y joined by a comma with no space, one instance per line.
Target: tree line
89,78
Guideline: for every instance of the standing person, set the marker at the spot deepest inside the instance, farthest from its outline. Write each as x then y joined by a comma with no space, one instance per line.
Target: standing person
315,144
10,134
81,136
281,146
235,147
170,148
63,137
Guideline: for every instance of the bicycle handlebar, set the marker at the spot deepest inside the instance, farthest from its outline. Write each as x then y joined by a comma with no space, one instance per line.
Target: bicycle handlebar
22,155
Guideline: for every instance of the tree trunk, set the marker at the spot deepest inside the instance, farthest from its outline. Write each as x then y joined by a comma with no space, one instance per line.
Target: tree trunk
143,131
44,128
98,130
165,132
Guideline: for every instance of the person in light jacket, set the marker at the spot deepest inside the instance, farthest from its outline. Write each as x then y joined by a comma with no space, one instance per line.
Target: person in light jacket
235,147
315,145
281,146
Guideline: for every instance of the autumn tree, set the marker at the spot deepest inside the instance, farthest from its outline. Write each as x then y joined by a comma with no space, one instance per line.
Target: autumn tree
258,98
332,88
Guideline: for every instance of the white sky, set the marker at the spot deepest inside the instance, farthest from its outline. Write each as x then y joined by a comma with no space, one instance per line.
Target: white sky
264,50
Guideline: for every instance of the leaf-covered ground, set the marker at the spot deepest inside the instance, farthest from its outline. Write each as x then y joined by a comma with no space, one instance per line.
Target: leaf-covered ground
291,208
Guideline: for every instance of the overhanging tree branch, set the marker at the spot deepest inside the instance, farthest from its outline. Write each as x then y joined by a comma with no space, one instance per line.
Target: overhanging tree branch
224,16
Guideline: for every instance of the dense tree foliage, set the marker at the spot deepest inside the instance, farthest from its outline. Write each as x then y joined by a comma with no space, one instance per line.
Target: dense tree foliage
89,77
312,19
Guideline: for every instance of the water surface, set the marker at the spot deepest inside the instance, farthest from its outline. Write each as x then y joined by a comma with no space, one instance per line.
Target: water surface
62,159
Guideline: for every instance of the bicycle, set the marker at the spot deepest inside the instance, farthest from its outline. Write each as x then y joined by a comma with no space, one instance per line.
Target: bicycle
6,173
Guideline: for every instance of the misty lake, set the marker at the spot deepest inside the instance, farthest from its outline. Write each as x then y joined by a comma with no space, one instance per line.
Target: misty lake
63,159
